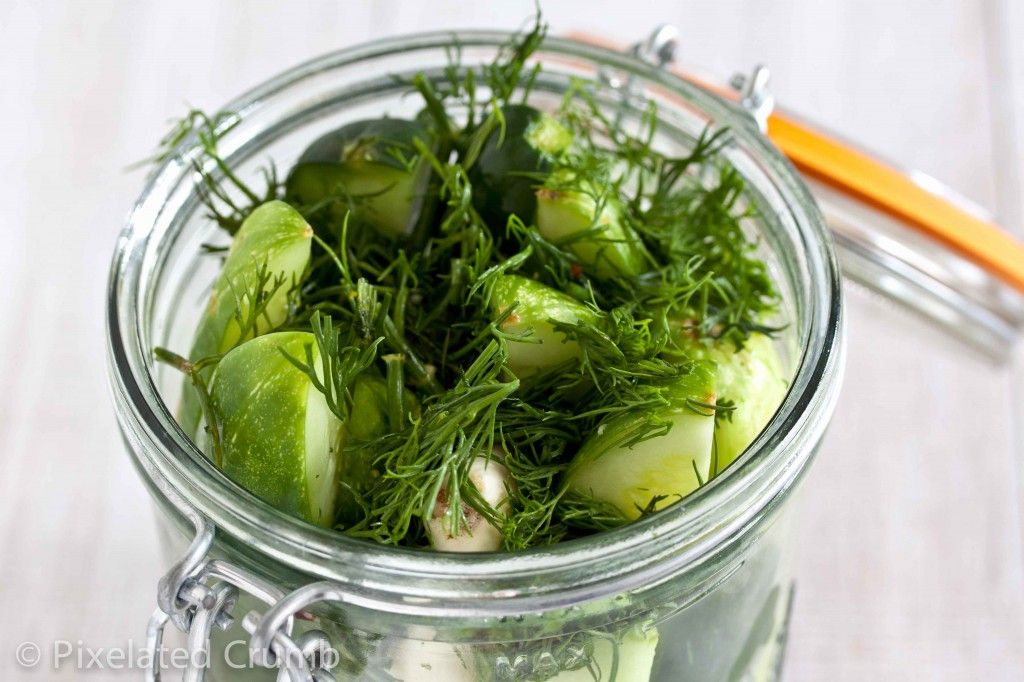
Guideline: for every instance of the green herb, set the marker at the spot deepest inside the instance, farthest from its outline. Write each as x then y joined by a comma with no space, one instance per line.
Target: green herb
193,371
340,363
417,310
431,458
225,207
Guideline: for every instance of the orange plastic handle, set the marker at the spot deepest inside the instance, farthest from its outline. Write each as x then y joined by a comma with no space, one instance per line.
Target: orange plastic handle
888,190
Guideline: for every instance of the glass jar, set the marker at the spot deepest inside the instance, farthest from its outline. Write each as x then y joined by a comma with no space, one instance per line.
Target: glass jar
698,591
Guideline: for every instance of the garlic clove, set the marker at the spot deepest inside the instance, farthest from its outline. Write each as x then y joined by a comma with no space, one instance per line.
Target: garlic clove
494,481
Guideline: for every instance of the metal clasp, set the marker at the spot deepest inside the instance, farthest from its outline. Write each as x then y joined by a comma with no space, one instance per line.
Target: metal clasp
660,48
755,96
178,593
198,594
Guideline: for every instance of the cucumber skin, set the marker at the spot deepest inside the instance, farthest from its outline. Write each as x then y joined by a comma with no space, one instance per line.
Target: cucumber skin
369,396
262,400
274,233
537,306
359,159
607,469
377,134
369,421
753,378
500,186
389,194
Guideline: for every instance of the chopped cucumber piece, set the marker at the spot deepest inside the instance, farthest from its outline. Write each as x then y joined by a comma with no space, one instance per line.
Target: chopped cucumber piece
415,660
281,441
269,253
276,236
378,195
753,379
544,133
535,307
658,470
628,660
593,230
369,421
369,168
512,165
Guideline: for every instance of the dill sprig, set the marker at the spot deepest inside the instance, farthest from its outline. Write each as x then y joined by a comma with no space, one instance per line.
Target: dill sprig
508,74
230,205
194,372
429,461
339,363
252,295
733,290
689,211
417,310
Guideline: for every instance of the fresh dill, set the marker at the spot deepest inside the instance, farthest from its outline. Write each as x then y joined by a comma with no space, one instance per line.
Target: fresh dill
252,296
194,374
414,306
228,199
431,458
338,365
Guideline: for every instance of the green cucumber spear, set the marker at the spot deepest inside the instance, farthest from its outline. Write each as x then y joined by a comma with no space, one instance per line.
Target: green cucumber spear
267,258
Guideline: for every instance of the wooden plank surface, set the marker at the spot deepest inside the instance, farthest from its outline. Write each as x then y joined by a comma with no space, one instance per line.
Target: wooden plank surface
909,569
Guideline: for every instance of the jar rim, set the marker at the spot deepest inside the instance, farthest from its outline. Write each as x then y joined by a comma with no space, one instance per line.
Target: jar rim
410,581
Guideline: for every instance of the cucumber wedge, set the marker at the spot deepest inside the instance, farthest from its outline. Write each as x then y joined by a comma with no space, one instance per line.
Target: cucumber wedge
281,441
628,660
275,234
368,168
369,421
753,379
378,195
274,241
594,232
631,475
536,305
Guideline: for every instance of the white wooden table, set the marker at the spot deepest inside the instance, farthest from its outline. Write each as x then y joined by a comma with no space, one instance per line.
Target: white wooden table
86,87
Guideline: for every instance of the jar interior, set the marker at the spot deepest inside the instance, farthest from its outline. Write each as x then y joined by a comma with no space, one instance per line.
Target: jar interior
710,576
162,282
186,274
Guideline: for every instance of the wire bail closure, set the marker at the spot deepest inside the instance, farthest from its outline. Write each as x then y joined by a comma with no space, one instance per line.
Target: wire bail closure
659,48
198,594
755,96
